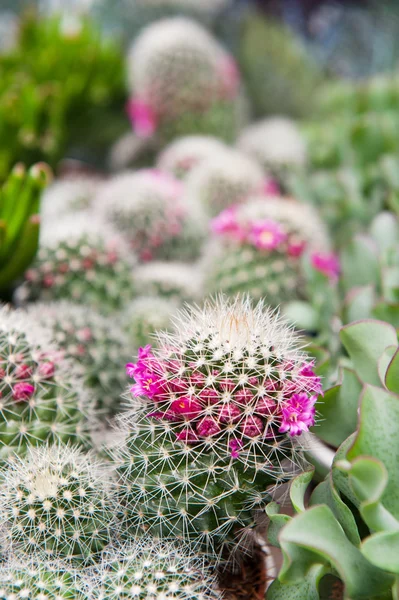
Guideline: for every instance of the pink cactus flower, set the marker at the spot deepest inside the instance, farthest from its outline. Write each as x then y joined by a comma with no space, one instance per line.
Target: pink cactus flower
209,396
298,414
23,391
312,381
235,447
266,235
46,370
229,413
208,427
326,263
23,371
271,187
265,406
227,385
165,415
142,117
230,77
186,407
296,249
188,436
226,224
252,426
243,396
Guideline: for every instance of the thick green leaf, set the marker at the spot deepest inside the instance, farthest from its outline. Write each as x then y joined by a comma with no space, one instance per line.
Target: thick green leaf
388,312
23,254
385,230
277,522
392,374
385,360
365,341
307,589
340,478
359,263
382,550
359,303
298,489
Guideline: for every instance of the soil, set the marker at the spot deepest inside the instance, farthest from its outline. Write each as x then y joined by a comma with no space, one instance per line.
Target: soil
248,581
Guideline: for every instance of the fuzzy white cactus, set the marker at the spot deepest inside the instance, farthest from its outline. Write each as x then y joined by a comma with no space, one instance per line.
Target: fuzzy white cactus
146,315
172,280
185,153
68,195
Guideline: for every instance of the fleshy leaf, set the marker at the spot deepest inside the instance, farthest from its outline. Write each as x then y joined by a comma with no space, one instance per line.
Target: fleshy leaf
298,489
307,588
392,374
382,550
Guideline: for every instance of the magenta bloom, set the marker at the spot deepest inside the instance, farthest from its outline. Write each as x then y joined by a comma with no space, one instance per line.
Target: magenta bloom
296,249
226,223
187,435
23,371
46,369
235,447
167,415
252,426
186,407
243,396
298,414
326,263
142,117
271,187
207,427
229,413
266,235
22,391
265,406
312,381
209,395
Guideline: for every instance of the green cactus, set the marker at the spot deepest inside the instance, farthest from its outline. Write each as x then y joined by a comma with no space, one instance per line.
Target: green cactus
146,315
43,398
58,502
185,153
207,446
20,221
173,281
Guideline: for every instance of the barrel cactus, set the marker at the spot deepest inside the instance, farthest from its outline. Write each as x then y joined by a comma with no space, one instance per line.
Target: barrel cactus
185,153
147,206
42,397
183,82
68,195
259,246
146,315
58,502
150,569
223,400
93,342
173,281
224,179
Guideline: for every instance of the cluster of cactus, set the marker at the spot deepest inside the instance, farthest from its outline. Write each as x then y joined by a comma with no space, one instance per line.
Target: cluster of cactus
173,281
69,195
208,441
186,153
42,397
93,342
20,221
259,249
148,207
147,315
183,82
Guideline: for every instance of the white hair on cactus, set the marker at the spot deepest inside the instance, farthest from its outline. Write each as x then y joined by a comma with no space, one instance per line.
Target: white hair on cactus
175,280
185,153
68,195
205,6
146,315
274,143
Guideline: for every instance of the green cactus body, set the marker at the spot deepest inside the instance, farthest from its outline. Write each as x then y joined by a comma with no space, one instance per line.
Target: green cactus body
42,398
173,281
39,581
145,316
239,261
148,208
152,569
208,447
94,343
185,153
58,502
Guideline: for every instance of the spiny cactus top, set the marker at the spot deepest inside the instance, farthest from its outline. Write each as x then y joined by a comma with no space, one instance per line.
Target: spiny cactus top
224,179
275,143
182,82
58,502
151,569
39,580
173,280
185,153
42,397
68,195
223,399
95,343
259,248
147,206
146,315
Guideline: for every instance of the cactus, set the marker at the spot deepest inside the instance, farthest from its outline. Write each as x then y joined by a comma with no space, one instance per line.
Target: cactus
208,442
225,179
20,221
40,580
58,502
82,261
148,208
259,249
172,281
185,153
42,398
93,342
275,143
68,195
183,82
146,315
151,569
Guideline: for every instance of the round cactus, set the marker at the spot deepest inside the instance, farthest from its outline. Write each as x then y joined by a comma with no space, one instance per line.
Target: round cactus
148,208
145,316
207,442
68,195
275,143
172,280
40,581
42,397
150,570
259,247
224,179
83,261
95,344
58,502
185,153
183,82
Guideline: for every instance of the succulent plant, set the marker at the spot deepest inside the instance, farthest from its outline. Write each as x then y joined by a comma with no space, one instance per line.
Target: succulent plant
148,207
150,569
185,153
173,281
69,195
58,502
19,220
93,342
82,261
183,82
207,443
39,580
42,398
146,315
226,179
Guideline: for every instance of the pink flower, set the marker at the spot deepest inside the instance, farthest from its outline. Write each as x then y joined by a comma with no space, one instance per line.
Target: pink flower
229,413
187,435
227,385
271,187
298,414
178,385
167,415
46,369
209,395
130,369
296,249
265,406
312,381
266,235
22,391
230,77
2,373
187,407
84,335
226,223
243,396
326,263
235,447
142,117
208,427
23,371
252,426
